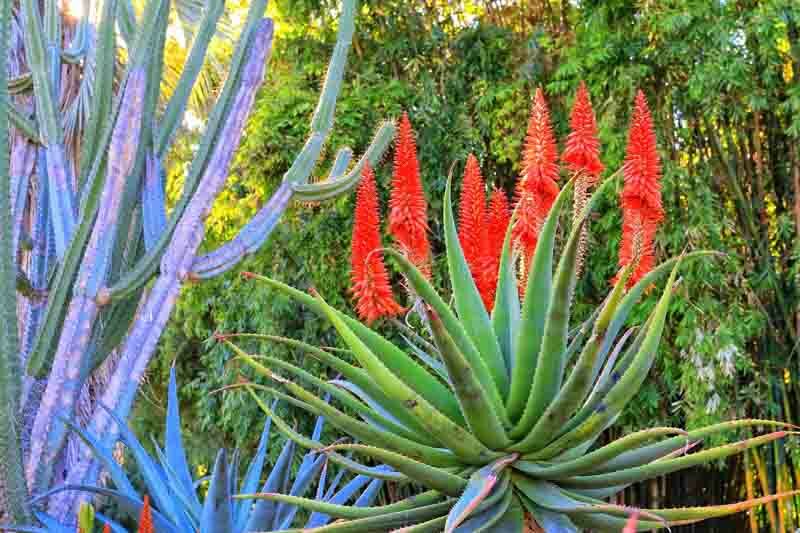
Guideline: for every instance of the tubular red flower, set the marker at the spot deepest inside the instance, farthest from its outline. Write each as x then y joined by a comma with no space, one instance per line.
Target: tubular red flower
537,190
582,150
641,194
370,280
472,230
497,220
146,517
408,215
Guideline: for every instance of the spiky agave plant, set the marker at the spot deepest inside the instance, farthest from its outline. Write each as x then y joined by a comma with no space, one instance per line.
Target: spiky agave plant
171,488
490,467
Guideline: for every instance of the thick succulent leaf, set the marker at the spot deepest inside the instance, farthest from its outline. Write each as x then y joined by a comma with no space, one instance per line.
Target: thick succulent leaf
263,514
551,360
400,364
422,286
605,522
431,526
426,475
591,460
301,440
716,511
355,375
534,309
252,477
385,522
365,410
450,434
513,520
305,477
478,489
468,301
341,497
485,519
550,521
666,466
482,419
627,387
430,361
217,514
574,391
131,507
173,445
506,310
349,511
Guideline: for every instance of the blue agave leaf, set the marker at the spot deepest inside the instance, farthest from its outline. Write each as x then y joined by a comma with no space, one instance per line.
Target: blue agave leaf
331,489
115,526
154,477
217,517
190,518
130,506
263,514
341,497
367,497
305,476
173,444
367,399
103,454
51,524
252,477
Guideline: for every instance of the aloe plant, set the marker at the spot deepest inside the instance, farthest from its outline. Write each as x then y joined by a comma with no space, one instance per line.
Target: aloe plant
173,487
97,262
449,427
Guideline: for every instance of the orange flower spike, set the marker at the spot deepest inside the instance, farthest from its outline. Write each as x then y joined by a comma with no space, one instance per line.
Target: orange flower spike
641,193
146,517
497,220
537,190
582,150
472,229
408,209
371,289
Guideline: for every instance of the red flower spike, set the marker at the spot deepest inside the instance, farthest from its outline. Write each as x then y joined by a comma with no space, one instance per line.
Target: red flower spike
497,220
146,517
408,209
106,528
641,194
538,189
371,289
582,150
472,230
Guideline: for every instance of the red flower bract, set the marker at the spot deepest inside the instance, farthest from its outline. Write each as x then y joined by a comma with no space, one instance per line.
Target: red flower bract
641,193
408,216
582,150
472,230
537,190
371,289
146,517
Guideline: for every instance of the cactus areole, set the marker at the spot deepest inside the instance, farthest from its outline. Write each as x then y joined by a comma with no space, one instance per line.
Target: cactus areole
498,414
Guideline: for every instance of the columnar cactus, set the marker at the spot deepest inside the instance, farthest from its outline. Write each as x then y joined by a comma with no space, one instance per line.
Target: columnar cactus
97,262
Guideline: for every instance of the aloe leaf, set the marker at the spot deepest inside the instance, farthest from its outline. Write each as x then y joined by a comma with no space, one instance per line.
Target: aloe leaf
385,522
485,519
551,361
364,410
454,328
589,461
506,311
475,404
626,387
342,496
478,489
549,520
429,476
534,309
355,375
434,525
301,440
666,466
370,434
450,434
347,511
604,522
468,301
305,476
685,514
513,520
650,453
574,391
